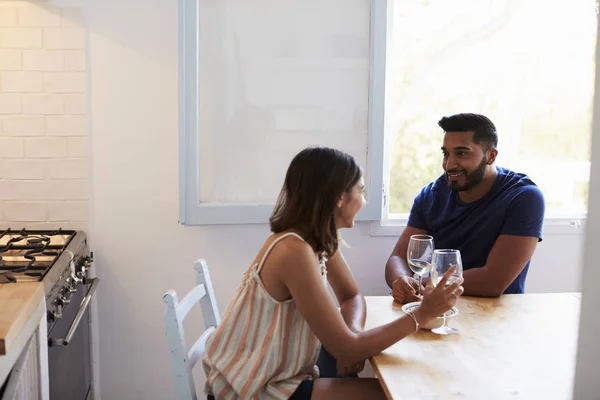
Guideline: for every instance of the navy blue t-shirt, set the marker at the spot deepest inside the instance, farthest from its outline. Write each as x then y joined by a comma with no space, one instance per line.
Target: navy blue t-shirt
514,206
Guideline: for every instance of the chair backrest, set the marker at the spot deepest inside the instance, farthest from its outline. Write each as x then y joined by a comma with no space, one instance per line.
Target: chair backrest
183,360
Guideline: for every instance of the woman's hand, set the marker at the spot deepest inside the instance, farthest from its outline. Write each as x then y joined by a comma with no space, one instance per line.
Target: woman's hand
350,369
439,299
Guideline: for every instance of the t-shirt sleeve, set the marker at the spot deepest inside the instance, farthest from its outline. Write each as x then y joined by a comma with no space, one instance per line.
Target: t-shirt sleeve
525,215
416,218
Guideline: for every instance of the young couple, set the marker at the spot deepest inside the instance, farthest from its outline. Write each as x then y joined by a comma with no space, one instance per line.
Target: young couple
272,339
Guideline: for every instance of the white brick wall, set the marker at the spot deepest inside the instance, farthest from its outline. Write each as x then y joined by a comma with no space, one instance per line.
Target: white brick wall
23,125
8,16
43,104
76,104
64,38
44,152
66,125
33,190
43,60
74,60
38,15
75,168
10,104
64,82
23,169
45,148
10,60
21,82
11,148
21,38
25,211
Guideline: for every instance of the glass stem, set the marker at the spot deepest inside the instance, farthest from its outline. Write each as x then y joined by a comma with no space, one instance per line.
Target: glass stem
419,288
445,325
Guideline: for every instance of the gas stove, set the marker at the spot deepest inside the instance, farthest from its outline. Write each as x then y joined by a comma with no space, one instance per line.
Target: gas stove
60,259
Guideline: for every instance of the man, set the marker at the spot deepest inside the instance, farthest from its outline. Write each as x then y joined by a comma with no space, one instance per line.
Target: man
494,216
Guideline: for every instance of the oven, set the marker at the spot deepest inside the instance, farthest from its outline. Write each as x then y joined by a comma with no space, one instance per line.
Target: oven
61,260
69,355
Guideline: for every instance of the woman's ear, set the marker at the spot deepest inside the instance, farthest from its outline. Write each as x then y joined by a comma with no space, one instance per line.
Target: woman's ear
340,201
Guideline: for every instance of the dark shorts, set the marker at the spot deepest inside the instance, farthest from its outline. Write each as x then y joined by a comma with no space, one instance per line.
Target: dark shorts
328,366
303,392
327,369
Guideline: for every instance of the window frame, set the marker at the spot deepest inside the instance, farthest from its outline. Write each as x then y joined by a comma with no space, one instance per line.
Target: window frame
194,212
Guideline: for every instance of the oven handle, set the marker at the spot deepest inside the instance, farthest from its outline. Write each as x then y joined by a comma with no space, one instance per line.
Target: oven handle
82,307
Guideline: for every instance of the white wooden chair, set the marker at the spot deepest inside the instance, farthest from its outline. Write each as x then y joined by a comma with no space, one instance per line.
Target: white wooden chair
182,360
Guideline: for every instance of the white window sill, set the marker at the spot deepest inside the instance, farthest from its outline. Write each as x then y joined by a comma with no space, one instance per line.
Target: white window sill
553,225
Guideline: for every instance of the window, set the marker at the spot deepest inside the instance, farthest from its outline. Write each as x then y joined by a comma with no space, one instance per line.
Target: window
260,80
528,65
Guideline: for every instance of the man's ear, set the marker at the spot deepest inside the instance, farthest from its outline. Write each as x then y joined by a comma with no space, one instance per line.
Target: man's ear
492,154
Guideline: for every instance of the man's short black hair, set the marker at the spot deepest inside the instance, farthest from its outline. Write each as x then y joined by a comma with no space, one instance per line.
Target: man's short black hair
484,131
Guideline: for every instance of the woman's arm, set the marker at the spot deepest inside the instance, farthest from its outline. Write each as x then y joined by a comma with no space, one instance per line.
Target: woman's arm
352,303
299,272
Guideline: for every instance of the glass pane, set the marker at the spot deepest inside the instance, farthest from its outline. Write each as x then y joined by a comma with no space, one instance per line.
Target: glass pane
528,65
275,77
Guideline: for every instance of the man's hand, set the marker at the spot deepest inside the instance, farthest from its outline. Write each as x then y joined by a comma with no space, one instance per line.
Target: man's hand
404,289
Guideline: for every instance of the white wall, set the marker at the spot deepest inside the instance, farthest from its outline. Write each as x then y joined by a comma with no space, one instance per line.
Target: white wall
44,161
587,385
140,249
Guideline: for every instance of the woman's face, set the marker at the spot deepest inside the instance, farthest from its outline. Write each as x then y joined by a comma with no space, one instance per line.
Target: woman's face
349,205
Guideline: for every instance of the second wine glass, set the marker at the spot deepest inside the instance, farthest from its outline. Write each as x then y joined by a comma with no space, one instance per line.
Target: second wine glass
443,260
419,255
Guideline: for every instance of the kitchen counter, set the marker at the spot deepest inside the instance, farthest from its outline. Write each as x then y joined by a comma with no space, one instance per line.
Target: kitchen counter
19,306
23,338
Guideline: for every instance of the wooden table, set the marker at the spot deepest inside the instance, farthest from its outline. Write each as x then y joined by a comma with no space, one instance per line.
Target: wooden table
512,347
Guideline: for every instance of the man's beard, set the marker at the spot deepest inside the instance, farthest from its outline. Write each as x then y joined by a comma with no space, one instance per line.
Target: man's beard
471,179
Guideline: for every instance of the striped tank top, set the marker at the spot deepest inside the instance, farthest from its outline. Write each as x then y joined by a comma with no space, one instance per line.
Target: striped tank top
263,348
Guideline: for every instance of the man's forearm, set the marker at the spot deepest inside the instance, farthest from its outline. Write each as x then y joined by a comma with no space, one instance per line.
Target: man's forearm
394,268
477,282
354,312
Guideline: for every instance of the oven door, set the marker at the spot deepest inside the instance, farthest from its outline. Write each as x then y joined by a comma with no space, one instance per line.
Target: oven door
69,361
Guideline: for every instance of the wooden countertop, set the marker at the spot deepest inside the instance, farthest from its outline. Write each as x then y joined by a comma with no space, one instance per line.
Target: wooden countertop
18,303
515,346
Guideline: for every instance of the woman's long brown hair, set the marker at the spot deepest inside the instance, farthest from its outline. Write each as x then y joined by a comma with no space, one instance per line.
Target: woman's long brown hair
314,182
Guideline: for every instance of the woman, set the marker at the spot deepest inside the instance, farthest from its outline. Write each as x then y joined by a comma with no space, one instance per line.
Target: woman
267,345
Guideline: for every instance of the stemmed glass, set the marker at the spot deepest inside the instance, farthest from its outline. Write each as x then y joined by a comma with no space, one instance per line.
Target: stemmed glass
443,260
419,255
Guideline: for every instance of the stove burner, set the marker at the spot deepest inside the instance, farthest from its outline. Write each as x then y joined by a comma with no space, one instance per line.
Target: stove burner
30,254
36,242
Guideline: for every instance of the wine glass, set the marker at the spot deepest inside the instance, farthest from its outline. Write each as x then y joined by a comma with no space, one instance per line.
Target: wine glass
443,260
419,255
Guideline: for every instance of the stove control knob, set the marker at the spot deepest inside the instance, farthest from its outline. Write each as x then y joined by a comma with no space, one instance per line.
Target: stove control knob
56,314
66,295
62,301
76,280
